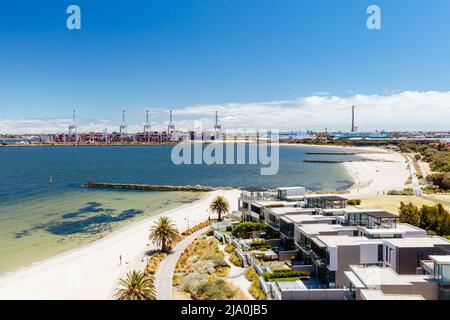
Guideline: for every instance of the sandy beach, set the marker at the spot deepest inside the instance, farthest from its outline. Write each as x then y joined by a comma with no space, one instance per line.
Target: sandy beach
383,171
91,272
387,171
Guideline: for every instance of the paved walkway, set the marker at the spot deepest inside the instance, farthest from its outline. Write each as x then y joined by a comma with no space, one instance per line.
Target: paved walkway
236,276
414,180
164,273
416,185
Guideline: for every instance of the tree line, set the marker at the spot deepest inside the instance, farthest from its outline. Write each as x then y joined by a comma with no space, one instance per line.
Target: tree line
438,156
434,219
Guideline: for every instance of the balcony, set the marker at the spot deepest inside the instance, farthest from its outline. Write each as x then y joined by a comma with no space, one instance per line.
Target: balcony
253,196
306,248
273,225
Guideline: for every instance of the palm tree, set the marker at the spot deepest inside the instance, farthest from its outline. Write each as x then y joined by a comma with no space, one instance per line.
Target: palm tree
220,206
136,286
164,233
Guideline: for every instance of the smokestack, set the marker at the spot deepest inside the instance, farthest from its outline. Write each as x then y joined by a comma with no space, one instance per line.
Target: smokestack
353,118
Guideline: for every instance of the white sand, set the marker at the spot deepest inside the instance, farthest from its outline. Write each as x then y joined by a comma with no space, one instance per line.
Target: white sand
91,272
372,178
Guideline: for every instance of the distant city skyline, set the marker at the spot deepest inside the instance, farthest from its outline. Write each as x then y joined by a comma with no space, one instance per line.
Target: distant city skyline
289,65
402,111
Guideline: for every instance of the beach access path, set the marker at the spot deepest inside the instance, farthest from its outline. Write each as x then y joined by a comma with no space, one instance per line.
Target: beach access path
164,273
92,271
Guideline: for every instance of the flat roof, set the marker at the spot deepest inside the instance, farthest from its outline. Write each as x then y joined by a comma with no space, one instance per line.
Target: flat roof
317,228
329,197
295,197
441,259
291,285
333,198
343,240
380,214
302,218
418,242
291,211
402,228
354,280
374,276
253,189
290,188
374,294
264,203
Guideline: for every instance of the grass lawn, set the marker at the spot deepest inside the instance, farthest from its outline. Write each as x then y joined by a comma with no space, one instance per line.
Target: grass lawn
392,203
445,197
292,279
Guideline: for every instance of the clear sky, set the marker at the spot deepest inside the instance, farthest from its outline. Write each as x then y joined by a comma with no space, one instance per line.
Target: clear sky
193,55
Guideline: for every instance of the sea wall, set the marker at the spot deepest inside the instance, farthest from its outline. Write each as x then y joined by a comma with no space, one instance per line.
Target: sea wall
149,187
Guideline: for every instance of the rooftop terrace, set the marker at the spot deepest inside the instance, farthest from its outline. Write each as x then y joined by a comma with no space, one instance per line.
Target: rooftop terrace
418,242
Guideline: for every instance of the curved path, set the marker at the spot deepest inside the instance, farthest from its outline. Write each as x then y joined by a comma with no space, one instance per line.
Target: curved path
164,273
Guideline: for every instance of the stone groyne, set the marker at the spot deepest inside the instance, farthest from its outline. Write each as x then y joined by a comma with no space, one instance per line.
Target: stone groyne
148,187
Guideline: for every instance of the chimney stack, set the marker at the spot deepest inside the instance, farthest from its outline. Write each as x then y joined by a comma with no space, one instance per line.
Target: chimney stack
353,119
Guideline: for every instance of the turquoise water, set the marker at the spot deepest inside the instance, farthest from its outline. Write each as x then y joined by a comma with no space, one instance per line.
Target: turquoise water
38,219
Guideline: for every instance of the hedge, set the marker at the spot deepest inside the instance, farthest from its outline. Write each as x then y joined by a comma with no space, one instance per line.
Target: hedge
287,273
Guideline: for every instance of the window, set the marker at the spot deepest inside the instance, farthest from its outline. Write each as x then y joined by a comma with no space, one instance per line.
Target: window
419,258
380,252
387,253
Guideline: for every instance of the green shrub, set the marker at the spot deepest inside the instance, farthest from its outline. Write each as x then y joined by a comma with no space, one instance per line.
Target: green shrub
440,180
256,292
258,243
219,262
255,287
251,274
244,229
234,259
406,192
229,228
284,273
229,248
216,290
354,202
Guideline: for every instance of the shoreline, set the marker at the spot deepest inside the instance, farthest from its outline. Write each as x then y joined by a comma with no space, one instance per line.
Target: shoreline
379,173
90,271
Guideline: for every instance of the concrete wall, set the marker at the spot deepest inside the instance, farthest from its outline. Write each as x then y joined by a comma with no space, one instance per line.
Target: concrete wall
313,294
428,289
347,256
407,258
369,253
304,268
286,255
273,242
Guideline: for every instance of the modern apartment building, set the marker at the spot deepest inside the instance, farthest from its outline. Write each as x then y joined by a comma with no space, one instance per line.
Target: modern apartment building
404,255
342,245
335,254
383,283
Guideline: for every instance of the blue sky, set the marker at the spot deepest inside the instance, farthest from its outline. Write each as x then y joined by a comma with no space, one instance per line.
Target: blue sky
180,54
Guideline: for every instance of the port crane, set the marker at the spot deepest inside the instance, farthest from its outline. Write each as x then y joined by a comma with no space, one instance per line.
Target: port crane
171,126
147,127
123,126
